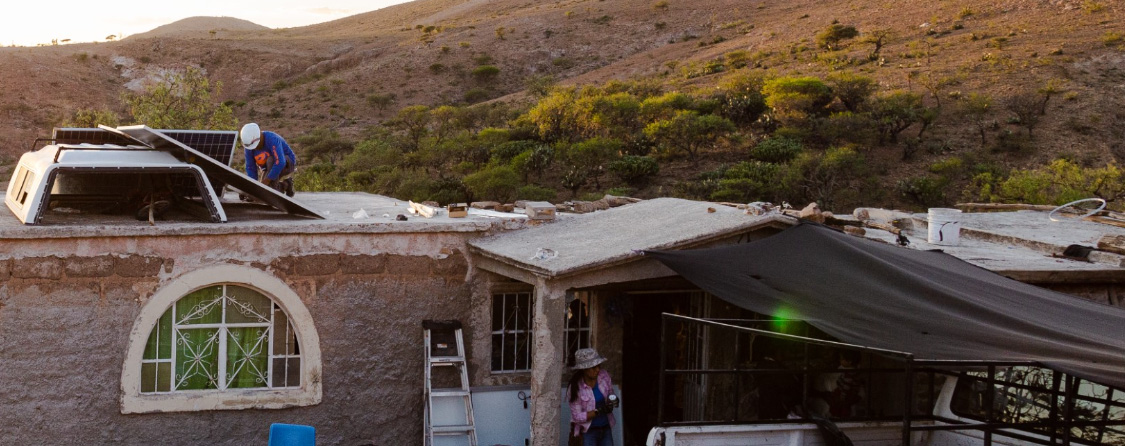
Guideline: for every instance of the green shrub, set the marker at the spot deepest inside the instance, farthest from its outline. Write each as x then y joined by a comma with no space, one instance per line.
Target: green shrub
563,62
506,152
499,183
925,191
831,36
776,150
748,181
485,73
635,170
661,5
437,68
534,161
795,99
477,94
1111,38
532,192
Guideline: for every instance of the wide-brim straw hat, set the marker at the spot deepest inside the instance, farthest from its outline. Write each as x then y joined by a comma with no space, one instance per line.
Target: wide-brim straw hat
586,358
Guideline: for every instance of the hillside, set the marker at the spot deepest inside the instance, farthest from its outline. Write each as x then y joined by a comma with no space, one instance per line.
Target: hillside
424,52
212,27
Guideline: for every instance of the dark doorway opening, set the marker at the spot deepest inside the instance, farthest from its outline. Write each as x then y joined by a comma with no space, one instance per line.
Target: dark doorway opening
641,360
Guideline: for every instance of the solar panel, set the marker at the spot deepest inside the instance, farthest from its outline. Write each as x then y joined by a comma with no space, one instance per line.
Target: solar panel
214,169
217,144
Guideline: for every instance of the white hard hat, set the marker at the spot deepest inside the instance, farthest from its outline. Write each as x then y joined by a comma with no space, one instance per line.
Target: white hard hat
251,136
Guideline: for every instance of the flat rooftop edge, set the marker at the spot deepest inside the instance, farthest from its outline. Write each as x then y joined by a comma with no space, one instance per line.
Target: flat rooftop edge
346,213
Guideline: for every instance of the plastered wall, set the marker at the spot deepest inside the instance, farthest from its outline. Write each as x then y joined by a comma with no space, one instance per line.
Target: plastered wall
67,307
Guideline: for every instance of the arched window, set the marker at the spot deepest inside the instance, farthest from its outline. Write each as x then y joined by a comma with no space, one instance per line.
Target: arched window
226,337
221,337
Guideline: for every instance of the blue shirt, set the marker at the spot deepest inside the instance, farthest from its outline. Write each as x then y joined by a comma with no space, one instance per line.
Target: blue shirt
599,400
272,152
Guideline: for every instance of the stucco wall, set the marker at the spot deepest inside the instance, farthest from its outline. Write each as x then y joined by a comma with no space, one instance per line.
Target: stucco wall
65,321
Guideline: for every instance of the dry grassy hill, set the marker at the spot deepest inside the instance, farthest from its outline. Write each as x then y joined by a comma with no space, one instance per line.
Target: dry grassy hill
422,52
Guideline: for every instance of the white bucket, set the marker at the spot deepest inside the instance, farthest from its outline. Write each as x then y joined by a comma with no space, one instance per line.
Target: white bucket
944,226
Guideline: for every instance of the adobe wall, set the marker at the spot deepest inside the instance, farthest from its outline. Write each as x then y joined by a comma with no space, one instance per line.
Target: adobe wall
67,307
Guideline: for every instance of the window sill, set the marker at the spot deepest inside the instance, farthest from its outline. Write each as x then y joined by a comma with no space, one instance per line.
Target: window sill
220,400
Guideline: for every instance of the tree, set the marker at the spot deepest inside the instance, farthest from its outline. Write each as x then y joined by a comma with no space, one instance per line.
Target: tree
833,34
896,111
92,117
975,108
1059,182
485,73
1026,107
852,89
740,98
824,177
795,99
877,38
498,183
554,116
688,132
182,100
323,144
594,155
1053,87
414,122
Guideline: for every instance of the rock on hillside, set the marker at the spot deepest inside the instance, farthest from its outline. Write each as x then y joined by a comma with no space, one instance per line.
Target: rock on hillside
200,27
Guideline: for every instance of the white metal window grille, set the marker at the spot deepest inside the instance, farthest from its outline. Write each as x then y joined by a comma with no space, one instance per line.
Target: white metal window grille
577,325
511,332
221,337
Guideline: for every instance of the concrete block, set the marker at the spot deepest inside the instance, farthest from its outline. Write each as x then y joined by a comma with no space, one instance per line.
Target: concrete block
317,264
363,264
5,269
454,265
101,266
37,268
138,266
539,210
409,265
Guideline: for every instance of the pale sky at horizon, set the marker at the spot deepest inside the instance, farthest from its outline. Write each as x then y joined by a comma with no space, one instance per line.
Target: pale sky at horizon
29,23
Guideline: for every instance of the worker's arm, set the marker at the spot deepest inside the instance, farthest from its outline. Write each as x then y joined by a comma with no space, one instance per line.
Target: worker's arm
251,165
277,147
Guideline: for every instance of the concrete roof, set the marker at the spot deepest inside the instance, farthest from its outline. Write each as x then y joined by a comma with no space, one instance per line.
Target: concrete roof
616,235
339,209
1020,244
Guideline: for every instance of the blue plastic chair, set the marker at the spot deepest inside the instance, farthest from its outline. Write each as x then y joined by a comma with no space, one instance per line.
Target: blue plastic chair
292,435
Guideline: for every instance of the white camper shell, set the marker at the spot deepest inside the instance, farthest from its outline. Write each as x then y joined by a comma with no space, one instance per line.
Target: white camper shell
90,172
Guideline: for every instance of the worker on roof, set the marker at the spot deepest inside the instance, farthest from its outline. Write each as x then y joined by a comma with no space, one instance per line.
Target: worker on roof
268,158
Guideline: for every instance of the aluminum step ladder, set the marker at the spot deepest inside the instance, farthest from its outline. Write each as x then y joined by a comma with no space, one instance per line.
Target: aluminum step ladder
449,411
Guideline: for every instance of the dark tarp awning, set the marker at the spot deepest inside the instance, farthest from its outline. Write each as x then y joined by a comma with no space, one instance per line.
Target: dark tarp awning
928,303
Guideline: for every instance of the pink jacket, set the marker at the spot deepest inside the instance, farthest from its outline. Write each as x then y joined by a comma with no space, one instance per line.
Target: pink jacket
585,403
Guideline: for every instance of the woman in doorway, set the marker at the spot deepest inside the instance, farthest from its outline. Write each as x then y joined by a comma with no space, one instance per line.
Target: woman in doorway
591,399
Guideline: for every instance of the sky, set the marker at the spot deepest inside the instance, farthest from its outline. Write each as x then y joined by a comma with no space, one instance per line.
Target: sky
29,23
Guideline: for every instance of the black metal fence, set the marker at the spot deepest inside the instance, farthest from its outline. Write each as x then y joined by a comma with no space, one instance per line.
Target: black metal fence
728,371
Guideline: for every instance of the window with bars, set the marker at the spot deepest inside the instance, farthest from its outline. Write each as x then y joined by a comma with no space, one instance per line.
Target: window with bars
511,331
577,323
221,337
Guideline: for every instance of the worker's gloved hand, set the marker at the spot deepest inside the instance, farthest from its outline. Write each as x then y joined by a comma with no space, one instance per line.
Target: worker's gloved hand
268,182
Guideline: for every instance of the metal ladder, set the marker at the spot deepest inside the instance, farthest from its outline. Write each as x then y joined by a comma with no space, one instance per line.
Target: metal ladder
448,411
